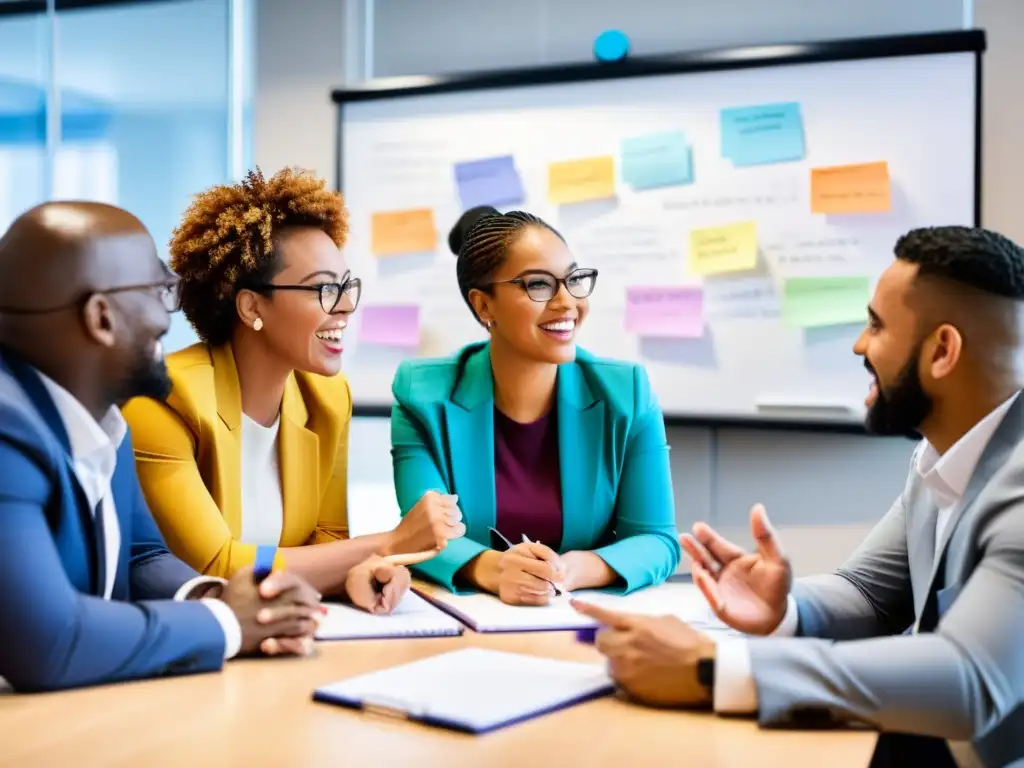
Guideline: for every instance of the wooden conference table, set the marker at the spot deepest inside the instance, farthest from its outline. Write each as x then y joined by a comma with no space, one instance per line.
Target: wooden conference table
260,712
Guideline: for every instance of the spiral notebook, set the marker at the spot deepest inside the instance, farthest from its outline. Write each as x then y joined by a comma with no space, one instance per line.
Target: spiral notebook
412,617
473,690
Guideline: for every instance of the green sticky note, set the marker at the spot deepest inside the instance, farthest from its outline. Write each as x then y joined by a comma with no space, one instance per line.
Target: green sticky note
811,302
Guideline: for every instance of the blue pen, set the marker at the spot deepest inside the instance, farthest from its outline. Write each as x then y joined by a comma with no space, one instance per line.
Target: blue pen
264,564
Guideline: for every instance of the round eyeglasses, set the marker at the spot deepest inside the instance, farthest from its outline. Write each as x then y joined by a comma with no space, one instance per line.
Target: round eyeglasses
542,286
330,293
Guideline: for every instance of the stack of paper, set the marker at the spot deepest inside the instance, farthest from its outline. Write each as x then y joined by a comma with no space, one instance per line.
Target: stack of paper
413,617
486,613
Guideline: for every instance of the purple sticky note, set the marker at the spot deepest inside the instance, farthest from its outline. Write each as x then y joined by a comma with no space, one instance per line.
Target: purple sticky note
395,325
491,181
665,312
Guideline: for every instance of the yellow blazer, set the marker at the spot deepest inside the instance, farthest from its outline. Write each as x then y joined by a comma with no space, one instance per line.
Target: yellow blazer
188,455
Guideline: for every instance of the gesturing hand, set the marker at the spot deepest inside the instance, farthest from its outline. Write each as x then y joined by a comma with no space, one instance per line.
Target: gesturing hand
376,585
526,573
428,526
278,616
652,658
746,590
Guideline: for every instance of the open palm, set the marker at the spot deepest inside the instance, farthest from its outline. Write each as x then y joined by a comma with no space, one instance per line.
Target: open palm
746,590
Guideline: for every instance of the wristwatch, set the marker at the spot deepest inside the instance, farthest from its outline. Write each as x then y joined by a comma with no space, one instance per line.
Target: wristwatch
706,673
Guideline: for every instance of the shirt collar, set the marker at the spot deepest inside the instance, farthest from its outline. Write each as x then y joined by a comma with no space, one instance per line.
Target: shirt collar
948,474
87,436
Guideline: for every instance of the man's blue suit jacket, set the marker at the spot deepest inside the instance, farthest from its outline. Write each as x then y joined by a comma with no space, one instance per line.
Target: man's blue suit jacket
56,630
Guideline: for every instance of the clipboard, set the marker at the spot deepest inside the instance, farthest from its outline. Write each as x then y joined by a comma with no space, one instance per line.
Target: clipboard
457,690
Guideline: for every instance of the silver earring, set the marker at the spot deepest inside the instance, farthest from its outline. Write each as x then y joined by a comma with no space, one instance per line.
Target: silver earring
489,324
258,325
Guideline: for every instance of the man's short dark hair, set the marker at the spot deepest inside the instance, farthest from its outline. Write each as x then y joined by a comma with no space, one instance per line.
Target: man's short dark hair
976,257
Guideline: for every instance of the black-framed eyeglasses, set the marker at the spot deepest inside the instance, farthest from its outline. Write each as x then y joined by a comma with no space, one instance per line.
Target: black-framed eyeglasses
169,292
330,293
542,286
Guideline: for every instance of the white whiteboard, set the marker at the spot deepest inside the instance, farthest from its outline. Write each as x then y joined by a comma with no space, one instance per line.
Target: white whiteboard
917,113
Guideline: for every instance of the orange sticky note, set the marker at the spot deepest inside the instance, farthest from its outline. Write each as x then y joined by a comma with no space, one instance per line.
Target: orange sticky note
576,181
861,188
395,232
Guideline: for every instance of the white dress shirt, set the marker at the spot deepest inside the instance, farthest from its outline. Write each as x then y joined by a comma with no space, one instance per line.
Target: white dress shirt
946,476
262,505
94,448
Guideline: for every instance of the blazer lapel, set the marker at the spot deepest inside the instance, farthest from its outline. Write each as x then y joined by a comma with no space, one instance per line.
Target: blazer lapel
921,540
229,450
298,455
580,427
995,455
469,420
32,385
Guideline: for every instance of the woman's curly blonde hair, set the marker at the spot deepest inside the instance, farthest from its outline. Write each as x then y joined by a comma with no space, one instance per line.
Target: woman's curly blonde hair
226,241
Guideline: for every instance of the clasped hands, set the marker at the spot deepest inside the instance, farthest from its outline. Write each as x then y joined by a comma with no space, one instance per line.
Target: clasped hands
654,659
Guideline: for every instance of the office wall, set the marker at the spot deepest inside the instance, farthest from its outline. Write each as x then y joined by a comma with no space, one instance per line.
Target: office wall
824,491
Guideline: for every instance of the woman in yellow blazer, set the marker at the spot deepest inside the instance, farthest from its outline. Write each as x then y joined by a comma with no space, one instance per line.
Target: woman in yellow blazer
251,447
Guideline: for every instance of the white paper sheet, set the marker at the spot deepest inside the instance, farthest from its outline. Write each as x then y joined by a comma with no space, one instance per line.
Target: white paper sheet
413,617
486,613
473,689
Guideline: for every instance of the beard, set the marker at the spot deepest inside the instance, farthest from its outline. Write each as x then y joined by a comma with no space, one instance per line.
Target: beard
900,409
147,377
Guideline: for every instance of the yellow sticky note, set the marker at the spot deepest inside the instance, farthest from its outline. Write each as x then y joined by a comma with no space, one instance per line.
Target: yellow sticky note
861,188
732,248
395,232
576,181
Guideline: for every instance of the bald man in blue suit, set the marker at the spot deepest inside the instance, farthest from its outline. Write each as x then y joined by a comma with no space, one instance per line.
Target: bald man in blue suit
90,592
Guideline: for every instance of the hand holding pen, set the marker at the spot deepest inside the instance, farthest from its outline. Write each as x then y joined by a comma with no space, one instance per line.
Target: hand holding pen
529,573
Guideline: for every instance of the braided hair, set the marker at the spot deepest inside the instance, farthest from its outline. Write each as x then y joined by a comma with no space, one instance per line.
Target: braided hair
480,241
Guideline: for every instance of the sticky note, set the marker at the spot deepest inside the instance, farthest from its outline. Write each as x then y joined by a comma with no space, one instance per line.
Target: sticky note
765,133
395,232
665,312
394,325
656,160
715,250
862,188
489,181
811,302
576,181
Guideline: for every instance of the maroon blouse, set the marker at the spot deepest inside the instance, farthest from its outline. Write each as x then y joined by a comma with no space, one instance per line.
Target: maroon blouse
527,482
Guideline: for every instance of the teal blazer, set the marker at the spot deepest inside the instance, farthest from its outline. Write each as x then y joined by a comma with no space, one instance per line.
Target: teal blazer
616,488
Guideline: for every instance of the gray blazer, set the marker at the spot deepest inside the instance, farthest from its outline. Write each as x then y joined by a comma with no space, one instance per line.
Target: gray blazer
960,677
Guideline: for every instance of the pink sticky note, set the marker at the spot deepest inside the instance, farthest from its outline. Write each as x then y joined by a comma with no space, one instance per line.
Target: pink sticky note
665,312
395,325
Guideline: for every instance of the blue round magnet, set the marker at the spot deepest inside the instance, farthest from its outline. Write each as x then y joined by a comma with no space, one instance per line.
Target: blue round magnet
611,45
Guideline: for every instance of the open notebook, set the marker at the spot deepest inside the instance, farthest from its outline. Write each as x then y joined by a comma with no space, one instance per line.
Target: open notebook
486,613
471,690
413,617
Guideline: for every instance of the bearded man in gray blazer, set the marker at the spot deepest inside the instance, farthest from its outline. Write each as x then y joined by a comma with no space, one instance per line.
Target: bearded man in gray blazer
921,632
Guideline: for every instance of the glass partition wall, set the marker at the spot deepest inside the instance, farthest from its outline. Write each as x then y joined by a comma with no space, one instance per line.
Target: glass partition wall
138,104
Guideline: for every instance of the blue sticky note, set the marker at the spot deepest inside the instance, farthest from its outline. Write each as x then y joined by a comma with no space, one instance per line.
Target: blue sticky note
656,160
766,133
490,181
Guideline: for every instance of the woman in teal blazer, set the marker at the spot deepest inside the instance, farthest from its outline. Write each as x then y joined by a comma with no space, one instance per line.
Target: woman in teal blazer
558,458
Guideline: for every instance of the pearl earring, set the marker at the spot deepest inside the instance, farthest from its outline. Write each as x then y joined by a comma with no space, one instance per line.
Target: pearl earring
258,325
489,324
